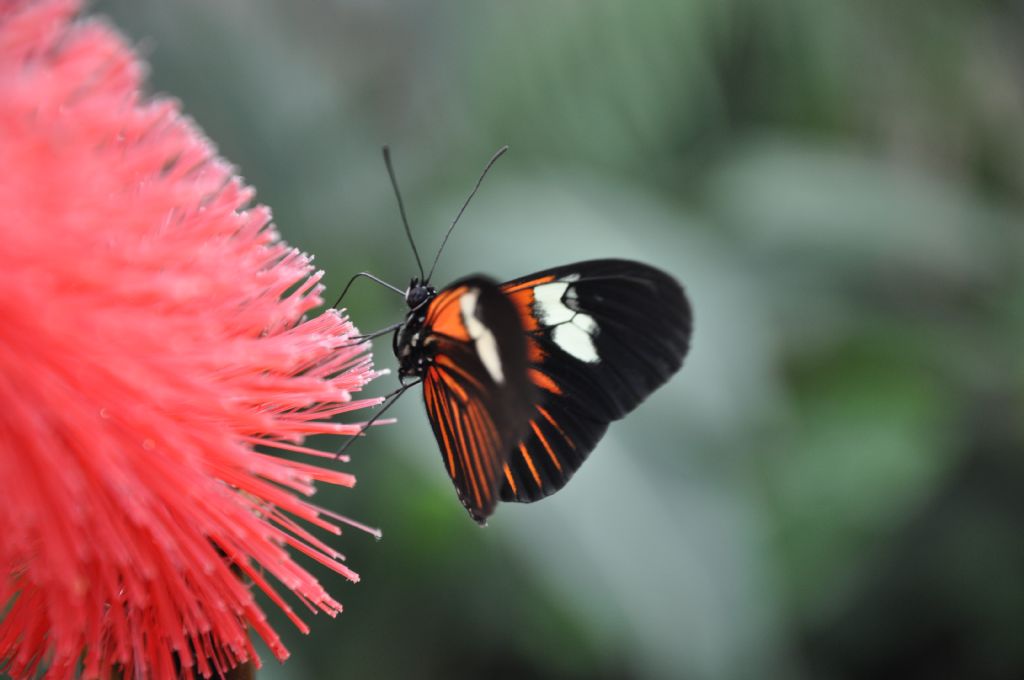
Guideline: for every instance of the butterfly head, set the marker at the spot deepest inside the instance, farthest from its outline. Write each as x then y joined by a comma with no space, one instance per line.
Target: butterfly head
418,293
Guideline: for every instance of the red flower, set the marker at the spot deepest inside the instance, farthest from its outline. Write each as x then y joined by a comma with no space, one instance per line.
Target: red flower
152,333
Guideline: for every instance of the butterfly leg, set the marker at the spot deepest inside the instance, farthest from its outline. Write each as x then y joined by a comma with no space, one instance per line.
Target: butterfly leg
363,337
389,399
366,275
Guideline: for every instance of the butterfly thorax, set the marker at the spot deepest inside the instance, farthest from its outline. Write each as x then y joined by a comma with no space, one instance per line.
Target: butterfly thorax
413,355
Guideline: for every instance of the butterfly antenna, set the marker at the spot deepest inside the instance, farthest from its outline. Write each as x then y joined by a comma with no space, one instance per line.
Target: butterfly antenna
401,207
483,174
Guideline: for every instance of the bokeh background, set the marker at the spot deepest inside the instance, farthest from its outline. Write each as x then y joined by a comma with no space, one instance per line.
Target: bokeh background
833,487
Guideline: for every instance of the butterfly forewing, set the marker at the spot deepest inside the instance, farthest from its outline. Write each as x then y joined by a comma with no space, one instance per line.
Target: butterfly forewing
477,388
601,336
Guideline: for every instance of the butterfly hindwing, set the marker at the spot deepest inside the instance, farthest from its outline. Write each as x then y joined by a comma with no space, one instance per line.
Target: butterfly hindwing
601,336
476,389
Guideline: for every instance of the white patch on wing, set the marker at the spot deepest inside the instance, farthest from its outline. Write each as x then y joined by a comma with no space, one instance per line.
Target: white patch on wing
572,331
548,305
587,323
483,338
576,341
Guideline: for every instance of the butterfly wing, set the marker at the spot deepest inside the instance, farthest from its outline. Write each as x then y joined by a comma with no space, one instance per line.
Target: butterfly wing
601,336
476,388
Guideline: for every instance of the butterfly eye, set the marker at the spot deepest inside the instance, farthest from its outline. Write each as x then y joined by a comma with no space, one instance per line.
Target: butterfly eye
417,295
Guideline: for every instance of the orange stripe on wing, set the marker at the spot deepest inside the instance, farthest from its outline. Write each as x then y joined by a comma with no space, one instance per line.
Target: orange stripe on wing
445,317
529,464
441,302
521,296
554,423
544,441
452,383
474,461
511,481
474,486
481,449
544,381
449,363
534,352
485,426
439,405
525,285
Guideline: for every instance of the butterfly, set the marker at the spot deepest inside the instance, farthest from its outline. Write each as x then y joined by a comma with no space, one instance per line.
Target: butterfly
521,379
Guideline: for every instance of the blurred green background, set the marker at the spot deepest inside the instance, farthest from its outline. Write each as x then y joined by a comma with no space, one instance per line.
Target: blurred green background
833,487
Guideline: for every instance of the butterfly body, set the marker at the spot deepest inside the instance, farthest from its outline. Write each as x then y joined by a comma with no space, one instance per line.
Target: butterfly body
521,379
410,350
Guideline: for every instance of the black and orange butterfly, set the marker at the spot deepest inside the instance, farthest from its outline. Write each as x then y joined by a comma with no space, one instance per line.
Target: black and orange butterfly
521,379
